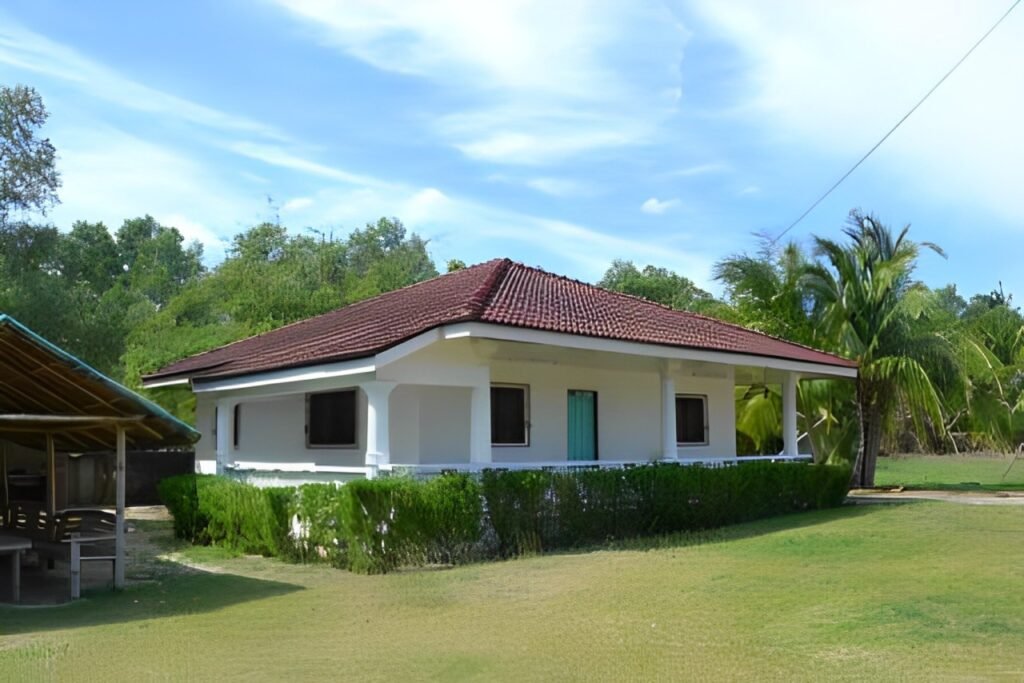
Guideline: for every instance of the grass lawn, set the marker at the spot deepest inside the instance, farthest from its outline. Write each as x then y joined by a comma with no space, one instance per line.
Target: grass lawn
920,591
952,472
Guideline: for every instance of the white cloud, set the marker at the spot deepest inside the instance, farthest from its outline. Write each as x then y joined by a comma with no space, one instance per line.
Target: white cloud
192,230
657,206
462,228
749,190
543,80
110,175
558,187
29,51
836,77
525,106
275,155
700,169
297,204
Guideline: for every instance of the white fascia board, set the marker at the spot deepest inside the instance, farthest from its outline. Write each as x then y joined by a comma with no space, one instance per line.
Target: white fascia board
409,346
516,334
157,383
276,378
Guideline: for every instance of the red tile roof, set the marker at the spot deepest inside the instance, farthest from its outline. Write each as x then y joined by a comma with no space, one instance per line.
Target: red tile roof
500,292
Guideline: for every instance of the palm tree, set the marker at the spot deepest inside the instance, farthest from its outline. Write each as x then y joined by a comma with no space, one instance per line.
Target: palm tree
765,292
866,302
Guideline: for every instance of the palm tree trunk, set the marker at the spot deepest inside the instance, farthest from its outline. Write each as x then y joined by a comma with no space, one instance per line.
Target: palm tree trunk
869,419
856,477
873,430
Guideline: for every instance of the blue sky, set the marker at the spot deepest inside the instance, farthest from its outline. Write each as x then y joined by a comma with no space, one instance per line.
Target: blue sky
559,134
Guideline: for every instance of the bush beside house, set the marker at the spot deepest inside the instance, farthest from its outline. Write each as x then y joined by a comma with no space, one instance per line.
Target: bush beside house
376,526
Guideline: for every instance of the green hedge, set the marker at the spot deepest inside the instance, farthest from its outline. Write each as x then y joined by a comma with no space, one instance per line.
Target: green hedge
220,511
319,509
375,526
399,521
533,511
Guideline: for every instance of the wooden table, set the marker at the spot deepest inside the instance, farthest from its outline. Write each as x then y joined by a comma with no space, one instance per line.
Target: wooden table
14,546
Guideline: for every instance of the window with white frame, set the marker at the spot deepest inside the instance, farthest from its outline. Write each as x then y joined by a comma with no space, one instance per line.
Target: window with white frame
510,415
331,419
691,420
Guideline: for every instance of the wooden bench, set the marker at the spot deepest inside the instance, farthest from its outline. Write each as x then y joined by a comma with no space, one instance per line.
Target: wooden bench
72,535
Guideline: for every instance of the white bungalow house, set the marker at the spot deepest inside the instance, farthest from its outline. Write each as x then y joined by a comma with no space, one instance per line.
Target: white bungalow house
496,365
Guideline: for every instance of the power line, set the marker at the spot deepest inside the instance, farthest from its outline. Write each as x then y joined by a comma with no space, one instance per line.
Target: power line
898,124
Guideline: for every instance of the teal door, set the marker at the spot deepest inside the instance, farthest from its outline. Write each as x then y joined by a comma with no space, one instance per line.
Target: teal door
582,425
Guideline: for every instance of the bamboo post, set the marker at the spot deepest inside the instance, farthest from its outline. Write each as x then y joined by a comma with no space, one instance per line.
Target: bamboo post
51,474
3,465
119,513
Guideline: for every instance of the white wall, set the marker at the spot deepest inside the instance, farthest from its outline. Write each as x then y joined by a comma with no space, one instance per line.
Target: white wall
274,431
206,447
430,418
628,411
721,415
444,424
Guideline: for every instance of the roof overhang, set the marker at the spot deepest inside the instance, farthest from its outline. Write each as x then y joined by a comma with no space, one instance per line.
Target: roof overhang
574,341
47,392
282,379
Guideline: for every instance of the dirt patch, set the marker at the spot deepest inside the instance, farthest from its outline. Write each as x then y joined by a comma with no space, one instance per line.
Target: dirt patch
150,546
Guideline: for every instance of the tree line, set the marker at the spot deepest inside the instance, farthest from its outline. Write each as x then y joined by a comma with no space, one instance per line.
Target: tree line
938,372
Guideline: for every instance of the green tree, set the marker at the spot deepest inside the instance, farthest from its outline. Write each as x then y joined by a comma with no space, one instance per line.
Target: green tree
656,284
28,174
766,292
269,278
88,255
863,296
155,258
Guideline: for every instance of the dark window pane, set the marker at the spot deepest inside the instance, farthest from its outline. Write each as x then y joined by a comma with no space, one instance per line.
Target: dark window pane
332,419
690,426
508,415
237,425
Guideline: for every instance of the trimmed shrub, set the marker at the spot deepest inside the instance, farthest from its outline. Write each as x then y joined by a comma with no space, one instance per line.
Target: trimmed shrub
319,509
453,515
215,510
179,493
398,521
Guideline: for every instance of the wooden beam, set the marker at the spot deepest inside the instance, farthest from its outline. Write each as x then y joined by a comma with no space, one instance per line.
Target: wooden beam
61,377
69,421
25,397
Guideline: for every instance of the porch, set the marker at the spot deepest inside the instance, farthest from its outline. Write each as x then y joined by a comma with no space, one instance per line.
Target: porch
473,402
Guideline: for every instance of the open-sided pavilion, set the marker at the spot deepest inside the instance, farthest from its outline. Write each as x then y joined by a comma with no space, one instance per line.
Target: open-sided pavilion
53,403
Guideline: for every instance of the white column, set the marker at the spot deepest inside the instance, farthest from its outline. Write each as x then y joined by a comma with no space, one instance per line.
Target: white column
669,449
119,512
225,423
789,430
378,444
480,423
